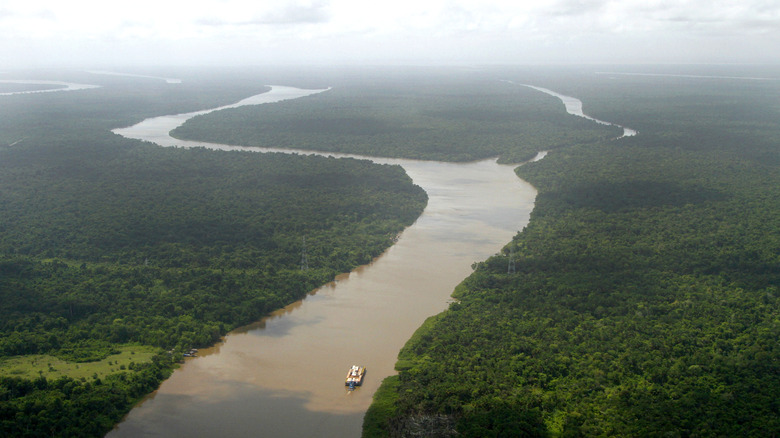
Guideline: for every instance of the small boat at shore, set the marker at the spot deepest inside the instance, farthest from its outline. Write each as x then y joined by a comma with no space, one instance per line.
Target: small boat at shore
355,376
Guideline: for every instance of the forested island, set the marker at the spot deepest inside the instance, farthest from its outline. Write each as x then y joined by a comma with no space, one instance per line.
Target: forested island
437,117
117,257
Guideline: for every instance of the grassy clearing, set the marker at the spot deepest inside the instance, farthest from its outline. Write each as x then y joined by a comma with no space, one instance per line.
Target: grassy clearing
35,365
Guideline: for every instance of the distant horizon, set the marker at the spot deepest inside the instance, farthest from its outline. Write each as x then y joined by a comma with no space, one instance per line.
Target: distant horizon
119,69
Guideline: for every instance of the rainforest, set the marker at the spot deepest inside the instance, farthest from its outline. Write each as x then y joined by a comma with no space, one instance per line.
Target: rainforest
111,246
640,300
644,295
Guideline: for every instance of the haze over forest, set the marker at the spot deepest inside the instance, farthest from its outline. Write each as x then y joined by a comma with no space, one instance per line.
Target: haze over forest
638,296
48,33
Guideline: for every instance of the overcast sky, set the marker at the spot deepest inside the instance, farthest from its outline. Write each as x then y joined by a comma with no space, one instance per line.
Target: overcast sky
87,33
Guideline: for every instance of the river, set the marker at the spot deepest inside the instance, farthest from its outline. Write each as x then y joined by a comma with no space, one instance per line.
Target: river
55,86
284,376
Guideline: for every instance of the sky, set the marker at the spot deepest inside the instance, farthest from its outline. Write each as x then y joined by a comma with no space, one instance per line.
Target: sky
97,34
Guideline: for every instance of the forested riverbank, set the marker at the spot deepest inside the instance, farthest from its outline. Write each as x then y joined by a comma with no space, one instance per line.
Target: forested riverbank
107,244
644,295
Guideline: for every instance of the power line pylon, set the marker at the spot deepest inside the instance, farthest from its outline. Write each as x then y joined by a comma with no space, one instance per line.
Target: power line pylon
511,268
304,257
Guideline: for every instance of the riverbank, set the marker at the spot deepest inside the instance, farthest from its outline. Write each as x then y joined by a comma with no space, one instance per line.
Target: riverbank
302,348
628,295
41,86
471,214
122,241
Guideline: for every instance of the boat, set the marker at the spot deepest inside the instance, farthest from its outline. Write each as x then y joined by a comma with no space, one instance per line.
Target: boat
355,376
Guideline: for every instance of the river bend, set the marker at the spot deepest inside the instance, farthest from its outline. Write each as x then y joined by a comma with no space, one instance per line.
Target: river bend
283,376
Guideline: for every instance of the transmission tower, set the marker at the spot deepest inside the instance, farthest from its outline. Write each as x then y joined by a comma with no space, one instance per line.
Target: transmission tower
304,257
511,268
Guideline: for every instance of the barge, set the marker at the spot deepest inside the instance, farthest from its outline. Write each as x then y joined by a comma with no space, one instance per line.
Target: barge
355,376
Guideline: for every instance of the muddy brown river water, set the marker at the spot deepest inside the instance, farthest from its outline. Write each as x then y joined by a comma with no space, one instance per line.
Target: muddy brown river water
284,376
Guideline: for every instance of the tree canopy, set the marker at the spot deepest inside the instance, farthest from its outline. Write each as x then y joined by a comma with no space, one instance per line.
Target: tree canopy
644,300
106,241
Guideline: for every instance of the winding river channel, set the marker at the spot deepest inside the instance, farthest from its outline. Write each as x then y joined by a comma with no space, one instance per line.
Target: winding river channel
284,375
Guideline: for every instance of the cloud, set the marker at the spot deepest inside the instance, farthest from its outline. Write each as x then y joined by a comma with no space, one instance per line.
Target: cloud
289,13
505,31
576,7
717,16
315,12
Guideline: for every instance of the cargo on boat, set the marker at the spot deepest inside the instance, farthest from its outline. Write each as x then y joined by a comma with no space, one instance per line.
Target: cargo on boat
355,376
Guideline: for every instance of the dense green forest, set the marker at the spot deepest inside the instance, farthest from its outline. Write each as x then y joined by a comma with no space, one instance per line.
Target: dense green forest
644,300
107,242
